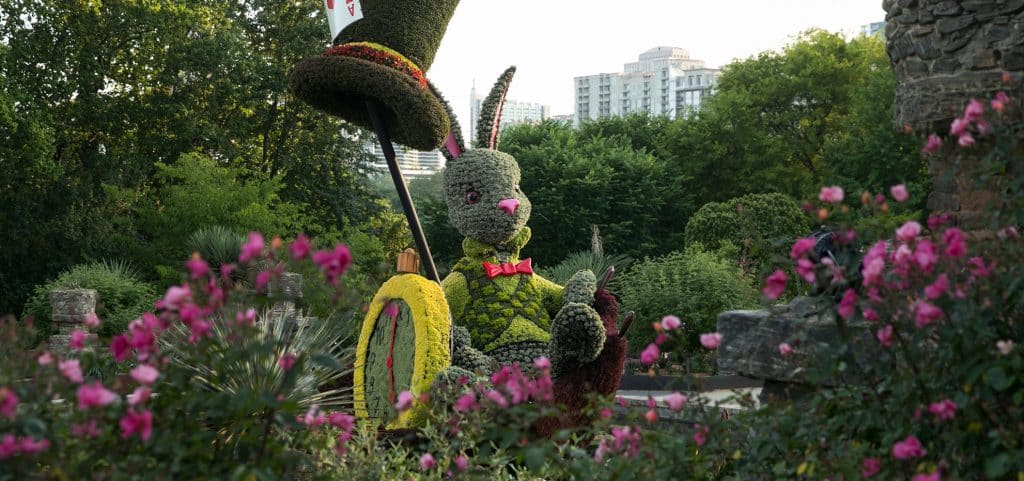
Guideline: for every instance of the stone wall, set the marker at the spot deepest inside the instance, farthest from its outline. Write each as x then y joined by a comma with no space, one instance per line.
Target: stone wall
943,53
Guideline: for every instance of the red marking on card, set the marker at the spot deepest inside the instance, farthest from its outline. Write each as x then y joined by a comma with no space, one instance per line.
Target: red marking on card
352,10
330,4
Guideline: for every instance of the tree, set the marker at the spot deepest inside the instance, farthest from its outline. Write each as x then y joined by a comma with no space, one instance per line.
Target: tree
577,179
122,85
788,121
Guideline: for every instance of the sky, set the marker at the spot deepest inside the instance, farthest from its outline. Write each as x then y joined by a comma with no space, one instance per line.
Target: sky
552,41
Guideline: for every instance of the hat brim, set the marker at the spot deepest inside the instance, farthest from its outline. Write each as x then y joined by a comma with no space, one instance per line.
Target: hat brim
341,85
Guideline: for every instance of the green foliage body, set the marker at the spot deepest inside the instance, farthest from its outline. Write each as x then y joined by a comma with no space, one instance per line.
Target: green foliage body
760,225
694,285
122,297
578,179
106,90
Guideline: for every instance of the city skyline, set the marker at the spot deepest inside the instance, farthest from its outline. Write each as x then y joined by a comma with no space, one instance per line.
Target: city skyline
553,42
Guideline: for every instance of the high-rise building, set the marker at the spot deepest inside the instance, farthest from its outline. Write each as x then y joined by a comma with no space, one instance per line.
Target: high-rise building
872,29
664,81
514,112
413,163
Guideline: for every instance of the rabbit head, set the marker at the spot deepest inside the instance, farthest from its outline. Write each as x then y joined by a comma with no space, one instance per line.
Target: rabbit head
481,185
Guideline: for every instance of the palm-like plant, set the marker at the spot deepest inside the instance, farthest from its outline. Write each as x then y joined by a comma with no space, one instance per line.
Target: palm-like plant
595,259
254,365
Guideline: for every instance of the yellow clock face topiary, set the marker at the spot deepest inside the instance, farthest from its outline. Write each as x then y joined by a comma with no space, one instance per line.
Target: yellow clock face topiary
404,343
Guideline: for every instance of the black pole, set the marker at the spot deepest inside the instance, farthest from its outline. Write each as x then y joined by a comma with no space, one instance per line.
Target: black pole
403,191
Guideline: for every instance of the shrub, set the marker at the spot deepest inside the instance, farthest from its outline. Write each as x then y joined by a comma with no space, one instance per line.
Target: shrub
216,244
760,225
695,285
594,259
215,391
122,296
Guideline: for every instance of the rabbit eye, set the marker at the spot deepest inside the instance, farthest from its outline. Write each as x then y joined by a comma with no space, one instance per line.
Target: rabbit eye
472,197
517,188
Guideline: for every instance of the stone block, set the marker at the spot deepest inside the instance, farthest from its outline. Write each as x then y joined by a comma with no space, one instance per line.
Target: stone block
979,5
915,67
750,341
70,306
288,286
943,202
927,50
1013,61
954,24
921,30
946,9
982,60
956,41
944,66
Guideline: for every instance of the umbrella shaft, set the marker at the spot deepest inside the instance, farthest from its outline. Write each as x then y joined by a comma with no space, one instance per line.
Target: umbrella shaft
403,191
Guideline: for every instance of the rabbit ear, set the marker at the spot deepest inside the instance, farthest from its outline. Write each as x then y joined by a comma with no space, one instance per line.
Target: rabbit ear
490,112
453,145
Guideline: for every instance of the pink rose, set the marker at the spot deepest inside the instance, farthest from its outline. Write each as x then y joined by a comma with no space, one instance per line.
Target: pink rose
8,403
253,248
938,288
711,340
933,145
785,349
932,476
286,362
925,313
139,396
427,462
72,370
669,323
908,232
466,402
966,140
974,110
848,305
461,462
300,247
676,401
805,269
899,193
775,285
92,320
908,448
959,127
137,422
884,335
197,267
833,194
870,467
93,396
145,374
542,363
405,400
650,354
944,409
801,247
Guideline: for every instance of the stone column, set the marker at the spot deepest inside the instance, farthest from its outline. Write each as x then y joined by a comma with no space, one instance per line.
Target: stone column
944,53
286,290
69,307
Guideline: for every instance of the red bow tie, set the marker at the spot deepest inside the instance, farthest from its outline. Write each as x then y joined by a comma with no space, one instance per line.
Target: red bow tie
508,269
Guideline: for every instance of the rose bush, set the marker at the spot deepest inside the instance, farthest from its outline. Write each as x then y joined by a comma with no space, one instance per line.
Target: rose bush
941,399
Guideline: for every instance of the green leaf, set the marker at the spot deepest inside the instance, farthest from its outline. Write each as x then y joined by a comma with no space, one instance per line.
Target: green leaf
997,466
998,379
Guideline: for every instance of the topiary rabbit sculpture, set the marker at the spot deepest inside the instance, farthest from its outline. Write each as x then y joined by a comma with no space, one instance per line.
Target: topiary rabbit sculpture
503,312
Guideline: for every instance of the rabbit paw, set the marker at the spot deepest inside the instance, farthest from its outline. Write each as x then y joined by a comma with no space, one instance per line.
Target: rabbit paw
580,288
577,337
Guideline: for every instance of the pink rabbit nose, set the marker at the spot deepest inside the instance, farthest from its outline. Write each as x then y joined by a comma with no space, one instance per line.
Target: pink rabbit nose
509,206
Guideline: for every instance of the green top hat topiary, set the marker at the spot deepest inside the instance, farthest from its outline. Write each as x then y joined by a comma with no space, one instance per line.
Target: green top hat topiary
383,56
